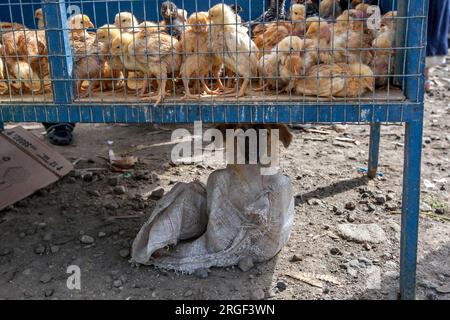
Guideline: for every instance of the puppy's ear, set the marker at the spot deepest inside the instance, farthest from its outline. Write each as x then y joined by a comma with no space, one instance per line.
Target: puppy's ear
285,135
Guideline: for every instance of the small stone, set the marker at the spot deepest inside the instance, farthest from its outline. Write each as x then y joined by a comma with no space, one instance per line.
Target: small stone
54,249
335,251
352,271
119,190
245,264
49,292
281,286
22,235
124,253
117,283
295,258
258,294
443,289
380,199
87,176
371,207
371,233
114,181
40,249
367,246
350,218
350,205
112,206
46,278
5,251
188,293
425,207
157,194
101,234
389,197
85,239
47,236
391,206
337,211
440,211
201,273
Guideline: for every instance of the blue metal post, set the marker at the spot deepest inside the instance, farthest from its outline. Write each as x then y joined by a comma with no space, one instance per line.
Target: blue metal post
374,148
59,53
410,209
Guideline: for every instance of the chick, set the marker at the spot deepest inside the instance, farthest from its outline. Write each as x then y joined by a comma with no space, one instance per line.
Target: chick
318,49
232,44
78,25
283,66
156,55
330,9
39,15
349,42
383,55
126,22
337,80
22,77
195,48
173,24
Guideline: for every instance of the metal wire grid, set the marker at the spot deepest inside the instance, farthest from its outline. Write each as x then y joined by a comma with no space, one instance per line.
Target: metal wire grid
86,47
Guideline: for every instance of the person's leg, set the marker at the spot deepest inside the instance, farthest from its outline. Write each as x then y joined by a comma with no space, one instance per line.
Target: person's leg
60,134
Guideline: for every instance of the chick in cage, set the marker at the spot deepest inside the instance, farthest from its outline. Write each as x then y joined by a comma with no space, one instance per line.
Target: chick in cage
317,49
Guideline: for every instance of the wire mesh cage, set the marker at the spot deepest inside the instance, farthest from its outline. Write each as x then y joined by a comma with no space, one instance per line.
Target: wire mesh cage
185,53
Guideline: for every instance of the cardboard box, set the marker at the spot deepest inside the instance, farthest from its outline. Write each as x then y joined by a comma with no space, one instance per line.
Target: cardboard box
26,165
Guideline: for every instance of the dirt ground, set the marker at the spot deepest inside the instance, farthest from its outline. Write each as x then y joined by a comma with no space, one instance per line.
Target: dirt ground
40,236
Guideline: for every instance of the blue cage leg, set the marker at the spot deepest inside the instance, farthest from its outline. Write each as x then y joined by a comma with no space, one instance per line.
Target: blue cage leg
410,209
374,149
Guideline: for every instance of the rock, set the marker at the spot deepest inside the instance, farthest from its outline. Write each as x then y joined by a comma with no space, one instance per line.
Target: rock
54,249
87,176
5,251
85,239
391,206
281,286
201,273
101,234
40,249
380,199
390,197
371,233
350,218
188,293
45,278
371,207
425,207
443,289
245,264
352,271
114,181
112,206
49,292
367,246
440,211
350,205
373,279
119,190
117,283
258,294
124,253
157,194
47,236
335,251
295,258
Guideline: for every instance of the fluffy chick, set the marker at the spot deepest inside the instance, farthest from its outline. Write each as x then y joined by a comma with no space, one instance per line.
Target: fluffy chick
330,9
337,80
319,49
156,55
383,55
78,25
195,48
126,22
231,43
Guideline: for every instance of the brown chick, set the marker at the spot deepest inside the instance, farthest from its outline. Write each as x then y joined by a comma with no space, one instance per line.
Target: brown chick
330,9
156,55
383,55
195,48
318,50
78,25
337,80
30,47
126,22
349,41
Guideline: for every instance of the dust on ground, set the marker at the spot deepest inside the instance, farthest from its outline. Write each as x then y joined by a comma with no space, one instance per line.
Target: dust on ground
91,217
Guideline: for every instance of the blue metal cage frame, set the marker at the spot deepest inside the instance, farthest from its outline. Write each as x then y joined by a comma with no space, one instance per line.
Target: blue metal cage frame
63,108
